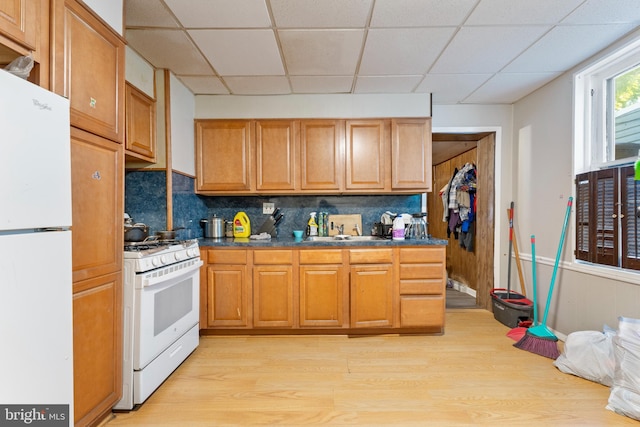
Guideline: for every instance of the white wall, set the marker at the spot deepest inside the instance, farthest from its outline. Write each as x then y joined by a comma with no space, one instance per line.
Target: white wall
110,11
584,298
182,128
139,72
312,106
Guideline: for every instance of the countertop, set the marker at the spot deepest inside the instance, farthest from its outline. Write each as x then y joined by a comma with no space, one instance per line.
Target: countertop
284,242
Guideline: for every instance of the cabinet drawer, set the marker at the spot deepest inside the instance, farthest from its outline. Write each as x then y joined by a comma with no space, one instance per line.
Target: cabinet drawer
273,257
323,256
417,311
422,255
421,271
234,256
421,287
370,256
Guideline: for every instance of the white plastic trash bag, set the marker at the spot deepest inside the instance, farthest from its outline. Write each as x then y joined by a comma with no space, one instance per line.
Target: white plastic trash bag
588,354
625,393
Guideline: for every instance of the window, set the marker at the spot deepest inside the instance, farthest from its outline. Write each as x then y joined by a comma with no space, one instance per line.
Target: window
607,143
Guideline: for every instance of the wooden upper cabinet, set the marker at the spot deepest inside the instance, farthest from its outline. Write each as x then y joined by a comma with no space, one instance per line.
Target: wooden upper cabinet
223,161
322,154
19,21
367,155
411,154
88,68
276,150
140,125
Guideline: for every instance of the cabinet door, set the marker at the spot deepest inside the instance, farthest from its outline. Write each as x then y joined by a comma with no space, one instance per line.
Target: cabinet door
322,297
422,311
371,296
19,20
227,296
411,154
88,68
140,126
276,148
273,296
367,155
223,155
97,347
322,154
97,205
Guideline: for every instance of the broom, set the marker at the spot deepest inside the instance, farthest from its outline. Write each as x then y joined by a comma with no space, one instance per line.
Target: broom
518,333
539,339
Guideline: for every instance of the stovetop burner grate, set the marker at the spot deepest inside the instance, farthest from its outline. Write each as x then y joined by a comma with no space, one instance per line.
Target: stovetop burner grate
154,242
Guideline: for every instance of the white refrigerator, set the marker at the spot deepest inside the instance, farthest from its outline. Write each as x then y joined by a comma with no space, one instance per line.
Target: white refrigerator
36,330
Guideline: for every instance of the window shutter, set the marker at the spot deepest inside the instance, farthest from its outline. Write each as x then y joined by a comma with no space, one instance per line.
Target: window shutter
630,195
604,192
583,200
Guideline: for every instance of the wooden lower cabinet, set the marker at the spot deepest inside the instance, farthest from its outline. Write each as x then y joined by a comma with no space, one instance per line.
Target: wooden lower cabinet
324,289
371,296
273,300
228,297
97,347
422,286
330,290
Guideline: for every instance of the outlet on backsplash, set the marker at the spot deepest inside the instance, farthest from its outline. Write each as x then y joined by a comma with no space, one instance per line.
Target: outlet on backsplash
268,208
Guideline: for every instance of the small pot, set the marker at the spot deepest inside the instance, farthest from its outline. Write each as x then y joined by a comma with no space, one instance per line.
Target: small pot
136,232
168,234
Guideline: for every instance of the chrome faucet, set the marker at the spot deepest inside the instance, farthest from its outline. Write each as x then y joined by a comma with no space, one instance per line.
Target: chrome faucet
341,229
357,228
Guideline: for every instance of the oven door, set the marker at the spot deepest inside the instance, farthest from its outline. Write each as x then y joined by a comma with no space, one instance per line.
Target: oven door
166,307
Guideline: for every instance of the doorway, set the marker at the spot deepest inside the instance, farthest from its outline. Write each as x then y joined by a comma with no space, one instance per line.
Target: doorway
473,269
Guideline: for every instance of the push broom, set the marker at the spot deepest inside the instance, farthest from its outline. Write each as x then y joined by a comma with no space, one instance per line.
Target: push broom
539,339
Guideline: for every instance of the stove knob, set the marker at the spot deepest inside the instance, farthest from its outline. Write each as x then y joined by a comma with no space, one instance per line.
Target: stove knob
192,252
163,259
178,256
155,261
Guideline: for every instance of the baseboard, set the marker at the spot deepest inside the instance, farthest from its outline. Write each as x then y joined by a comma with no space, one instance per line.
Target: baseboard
461,287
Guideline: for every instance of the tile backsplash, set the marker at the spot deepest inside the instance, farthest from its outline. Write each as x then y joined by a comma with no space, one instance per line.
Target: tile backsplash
145,201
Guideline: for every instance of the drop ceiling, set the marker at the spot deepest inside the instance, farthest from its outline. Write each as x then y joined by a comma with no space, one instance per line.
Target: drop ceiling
461,51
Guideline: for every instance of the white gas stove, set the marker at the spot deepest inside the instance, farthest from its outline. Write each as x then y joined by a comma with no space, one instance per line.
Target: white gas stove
152,254
161,312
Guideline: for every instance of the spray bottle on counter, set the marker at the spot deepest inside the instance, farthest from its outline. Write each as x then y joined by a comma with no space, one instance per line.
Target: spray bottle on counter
312,225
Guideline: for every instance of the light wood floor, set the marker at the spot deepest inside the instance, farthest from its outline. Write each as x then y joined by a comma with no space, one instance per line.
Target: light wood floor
471,375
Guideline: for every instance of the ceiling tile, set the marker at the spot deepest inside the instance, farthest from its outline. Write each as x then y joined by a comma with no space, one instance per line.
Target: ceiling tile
606,11
420,13
221,13
321,52
485,49
386,84
321,84
148,13
507,88
403,51
240,52
565,46
269,85
153,45
204,85
320,14
451,88
521,12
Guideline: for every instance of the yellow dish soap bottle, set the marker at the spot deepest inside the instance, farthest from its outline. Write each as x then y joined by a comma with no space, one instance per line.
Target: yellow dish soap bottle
241,225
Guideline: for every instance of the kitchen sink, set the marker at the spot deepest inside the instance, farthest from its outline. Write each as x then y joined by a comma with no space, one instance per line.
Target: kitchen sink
346,239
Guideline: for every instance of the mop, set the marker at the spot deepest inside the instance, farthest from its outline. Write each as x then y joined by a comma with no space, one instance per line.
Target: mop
539,339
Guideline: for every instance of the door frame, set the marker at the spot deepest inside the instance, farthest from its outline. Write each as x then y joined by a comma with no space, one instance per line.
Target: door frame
486,280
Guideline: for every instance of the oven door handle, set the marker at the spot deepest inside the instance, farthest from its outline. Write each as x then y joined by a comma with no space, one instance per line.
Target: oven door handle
158,277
